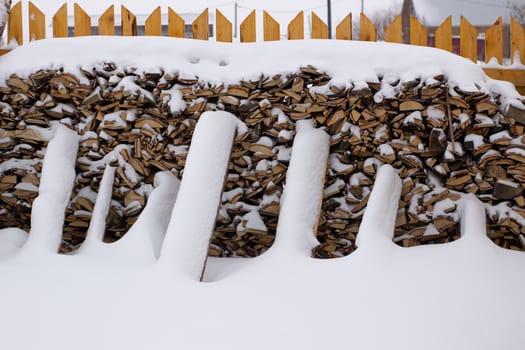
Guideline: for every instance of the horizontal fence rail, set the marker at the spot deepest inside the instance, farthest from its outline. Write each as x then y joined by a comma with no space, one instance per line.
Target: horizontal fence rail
469,43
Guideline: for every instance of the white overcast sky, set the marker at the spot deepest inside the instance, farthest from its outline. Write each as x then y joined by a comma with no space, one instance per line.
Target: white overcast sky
434,11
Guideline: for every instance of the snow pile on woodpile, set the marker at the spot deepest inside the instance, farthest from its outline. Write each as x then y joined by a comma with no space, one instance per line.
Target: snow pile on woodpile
445,132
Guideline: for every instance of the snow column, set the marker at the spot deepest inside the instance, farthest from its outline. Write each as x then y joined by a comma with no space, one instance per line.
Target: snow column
303,194
97,225
473,220
193,218
56,184
377,227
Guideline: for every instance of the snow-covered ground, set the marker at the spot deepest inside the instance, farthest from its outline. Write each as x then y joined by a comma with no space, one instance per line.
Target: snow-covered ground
463,295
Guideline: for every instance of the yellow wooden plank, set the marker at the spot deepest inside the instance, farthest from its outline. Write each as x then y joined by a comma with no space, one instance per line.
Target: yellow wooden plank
494,41
296,27
517,41
223,28
343,31
515,76
14,24
367,29
37,23
3,52
82,22
418,32
200,26
60,23
128,23
443,35
272,29
394,31
106,22
175,24
248,29
319,28
153,24
468,40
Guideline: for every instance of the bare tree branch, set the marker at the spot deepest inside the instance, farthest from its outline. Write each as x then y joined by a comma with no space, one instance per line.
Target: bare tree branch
5,7
517,11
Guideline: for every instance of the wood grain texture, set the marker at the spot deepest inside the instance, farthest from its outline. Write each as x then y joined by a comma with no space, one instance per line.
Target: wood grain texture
443,35
153,24
223,27
296,27
175,24
14,24
367,29
200,26
271,28
37,23
319,27
468,40
494,41
517,40
129,22
418,32
60,22
82,22
248,29
394,31
343,31
106,22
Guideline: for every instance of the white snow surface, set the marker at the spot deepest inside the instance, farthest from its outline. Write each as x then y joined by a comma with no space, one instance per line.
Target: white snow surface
467,294
348,62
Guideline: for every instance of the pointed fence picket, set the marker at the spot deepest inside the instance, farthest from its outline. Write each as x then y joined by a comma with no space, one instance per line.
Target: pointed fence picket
37,23
467,45
82,22
367,29
200,26
14,25
175,24
153,25
60,22
468,40
394,32
224,28
418,32
106,22
129,22
319,28
517,40
272,29
343,31
296,27
443,35
248,29
494,42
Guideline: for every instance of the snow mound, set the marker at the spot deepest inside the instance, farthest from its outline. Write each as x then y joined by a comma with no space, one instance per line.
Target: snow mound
349,62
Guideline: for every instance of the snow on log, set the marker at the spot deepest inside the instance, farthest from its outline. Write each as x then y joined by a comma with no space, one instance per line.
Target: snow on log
303,193
143,241
379,219
97,225
56,183
193,218
11,240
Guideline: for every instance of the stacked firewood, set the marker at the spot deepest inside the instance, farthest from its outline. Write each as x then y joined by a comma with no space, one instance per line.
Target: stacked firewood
125,123
443,141
23,140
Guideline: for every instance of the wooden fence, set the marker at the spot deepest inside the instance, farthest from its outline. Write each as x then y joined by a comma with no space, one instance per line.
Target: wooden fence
419,34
